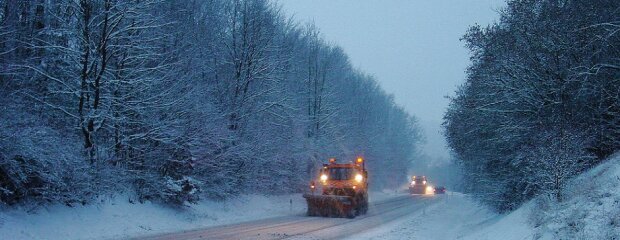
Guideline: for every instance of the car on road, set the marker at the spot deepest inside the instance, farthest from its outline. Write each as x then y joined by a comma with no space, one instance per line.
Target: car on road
440,190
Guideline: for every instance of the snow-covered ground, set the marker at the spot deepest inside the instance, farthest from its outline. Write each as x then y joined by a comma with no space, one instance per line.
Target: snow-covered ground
454,216
118,218
590,210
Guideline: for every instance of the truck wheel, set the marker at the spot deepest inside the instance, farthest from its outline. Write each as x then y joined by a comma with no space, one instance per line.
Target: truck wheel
365,206
311,211
360,204
364,203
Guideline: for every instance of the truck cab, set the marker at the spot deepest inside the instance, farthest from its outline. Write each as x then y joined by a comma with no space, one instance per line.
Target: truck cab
346,179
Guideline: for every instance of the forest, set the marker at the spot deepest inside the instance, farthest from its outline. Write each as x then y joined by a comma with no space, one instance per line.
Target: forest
541,102
176,101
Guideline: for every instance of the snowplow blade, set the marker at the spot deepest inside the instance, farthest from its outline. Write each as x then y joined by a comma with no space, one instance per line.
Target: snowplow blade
329,205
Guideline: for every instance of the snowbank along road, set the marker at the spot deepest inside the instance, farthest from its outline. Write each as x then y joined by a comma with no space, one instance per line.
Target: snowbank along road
303,227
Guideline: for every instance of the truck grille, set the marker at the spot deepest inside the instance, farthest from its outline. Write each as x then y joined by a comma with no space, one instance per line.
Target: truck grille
340,191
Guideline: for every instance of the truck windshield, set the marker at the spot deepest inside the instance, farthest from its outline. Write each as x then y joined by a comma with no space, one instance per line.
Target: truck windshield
340,173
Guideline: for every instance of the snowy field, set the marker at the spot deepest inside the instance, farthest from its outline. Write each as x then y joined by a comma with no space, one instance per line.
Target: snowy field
591,210
454,216
121,219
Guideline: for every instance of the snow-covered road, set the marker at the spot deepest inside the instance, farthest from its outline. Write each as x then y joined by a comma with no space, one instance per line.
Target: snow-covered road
303,227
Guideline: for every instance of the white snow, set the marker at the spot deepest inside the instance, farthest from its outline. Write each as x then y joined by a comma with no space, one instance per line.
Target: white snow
120,219
590,210
453,216
512,226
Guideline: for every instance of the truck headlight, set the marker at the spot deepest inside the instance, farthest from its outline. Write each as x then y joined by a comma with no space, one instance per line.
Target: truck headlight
359,177
323,177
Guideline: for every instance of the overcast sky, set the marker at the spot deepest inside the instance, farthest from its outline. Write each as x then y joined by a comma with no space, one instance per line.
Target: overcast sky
412,47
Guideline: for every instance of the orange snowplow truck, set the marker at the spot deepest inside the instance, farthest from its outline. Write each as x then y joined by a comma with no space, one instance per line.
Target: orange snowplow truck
342,190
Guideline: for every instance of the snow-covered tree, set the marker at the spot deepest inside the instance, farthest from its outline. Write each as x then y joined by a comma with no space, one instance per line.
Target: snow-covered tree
173,101
539,104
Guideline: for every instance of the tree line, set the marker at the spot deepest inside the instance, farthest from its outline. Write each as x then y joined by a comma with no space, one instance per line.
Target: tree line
541,101
174,101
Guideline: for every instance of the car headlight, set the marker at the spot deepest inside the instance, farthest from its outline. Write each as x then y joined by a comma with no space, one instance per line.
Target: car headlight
359,177
430,190
424,182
